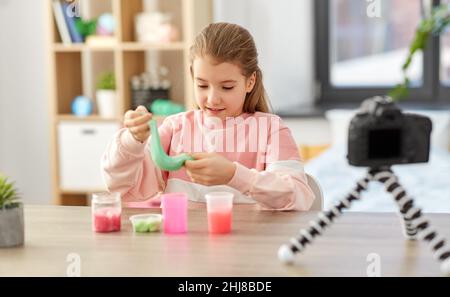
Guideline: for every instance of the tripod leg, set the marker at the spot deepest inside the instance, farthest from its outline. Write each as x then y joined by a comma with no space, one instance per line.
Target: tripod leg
286,253
427,233
418,223
392,186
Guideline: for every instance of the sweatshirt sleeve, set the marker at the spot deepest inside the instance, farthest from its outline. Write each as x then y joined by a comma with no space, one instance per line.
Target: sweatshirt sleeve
283,184
127,167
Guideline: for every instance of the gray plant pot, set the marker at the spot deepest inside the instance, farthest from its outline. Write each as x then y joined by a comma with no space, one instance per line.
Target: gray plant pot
11,227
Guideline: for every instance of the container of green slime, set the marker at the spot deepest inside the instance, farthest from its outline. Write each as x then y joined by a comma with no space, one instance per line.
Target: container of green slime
144,223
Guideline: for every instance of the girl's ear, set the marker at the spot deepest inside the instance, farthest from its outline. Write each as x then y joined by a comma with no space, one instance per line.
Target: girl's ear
251,81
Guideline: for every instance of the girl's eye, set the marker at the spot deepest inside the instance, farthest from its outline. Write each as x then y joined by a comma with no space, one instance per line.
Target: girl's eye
228,88
202,86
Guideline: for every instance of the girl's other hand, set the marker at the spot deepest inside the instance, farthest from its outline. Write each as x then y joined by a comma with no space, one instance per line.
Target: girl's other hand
210,169
137,123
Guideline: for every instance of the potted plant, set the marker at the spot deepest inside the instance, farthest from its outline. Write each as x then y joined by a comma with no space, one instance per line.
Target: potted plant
106,95
11,215
435,23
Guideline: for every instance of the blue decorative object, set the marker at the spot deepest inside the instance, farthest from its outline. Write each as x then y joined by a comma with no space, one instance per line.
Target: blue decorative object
82,106
106,24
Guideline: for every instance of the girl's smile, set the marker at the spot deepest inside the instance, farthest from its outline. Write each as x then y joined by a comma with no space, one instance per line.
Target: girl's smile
214,111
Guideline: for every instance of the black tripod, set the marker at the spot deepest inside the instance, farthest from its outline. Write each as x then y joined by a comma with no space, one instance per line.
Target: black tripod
413,222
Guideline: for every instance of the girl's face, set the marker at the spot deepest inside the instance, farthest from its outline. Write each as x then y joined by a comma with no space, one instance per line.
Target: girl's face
220,89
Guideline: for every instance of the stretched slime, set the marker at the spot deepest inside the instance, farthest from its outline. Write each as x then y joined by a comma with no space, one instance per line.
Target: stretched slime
159,156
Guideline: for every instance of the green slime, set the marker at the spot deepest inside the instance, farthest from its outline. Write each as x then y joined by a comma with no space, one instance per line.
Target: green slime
159,156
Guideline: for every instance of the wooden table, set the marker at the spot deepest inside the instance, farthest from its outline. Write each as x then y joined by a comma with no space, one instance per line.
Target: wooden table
55,233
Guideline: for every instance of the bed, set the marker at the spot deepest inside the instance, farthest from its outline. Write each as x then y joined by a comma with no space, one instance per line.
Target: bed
428,184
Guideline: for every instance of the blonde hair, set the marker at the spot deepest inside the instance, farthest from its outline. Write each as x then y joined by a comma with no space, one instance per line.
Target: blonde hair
226,42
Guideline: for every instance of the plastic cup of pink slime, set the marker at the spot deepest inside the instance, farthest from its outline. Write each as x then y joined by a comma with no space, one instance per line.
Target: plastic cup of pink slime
106,212
174,211
219,206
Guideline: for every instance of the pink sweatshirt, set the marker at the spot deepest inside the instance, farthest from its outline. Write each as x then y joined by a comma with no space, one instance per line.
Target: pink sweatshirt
269,172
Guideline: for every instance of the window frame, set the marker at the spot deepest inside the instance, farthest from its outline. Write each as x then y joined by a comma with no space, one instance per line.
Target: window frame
432,90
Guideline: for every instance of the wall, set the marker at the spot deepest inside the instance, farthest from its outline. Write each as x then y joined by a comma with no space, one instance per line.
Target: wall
24,115
310,131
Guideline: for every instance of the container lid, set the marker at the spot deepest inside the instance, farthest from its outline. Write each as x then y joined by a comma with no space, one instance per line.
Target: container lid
147,216
105,198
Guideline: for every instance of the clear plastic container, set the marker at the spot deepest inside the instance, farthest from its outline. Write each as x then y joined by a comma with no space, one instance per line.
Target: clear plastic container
106,212
146,222
219,206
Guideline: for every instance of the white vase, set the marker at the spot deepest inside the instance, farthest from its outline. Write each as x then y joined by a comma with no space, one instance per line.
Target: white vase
107,103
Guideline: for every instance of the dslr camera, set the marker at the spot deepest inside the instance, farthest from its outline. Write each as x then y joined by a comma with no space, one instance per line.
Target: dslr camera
380,134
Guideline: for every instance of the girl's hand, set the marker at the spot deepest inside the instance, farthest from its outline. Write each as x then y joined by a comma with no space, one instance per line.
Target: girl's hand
137,123
210,169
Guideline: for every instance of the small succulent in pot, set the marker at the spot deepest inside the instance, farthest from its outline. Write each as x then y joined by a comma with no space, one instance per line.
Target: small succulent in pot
106,95
11,214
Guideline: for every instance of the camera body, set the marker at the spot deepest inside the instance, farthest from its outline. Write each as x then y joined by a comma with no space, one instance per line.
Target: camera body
380,134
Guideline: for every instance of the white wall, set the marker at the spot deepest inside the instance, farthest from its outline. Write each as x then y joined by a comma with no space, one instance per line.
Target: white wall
24,116
310,131
283,32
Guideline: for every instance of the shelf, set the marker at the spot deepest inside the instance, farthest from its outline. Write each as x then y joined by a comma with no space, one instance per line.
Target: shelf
70,117
81,192
93,118
62,48
125,46
141,46
73,199
68,80
75,69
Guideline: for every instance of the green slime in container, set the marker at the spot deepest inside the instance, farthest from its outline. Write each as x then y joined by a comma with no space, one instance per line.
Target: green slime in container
159,156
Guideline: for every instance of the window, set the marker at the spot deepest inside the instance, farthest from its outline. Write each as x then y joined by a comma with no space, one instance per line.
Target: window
444,73
359,55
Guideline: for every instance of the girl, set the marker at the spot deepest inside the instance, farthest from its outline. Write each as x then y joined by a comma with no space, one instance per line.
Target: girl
237,145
